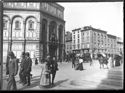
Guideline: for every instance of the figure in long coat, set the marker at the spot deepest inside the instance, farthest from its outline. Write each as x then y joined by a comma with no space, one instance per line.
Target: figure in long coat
54,68
12,71
28,67
23,69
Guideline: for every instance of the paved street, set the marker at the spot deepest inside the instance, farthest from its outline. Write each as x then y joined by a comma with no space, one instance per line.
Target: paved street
91,78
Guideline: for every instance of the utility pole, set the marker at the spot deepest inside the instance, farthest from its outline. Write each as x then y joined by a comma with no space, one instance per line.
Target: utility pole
1,45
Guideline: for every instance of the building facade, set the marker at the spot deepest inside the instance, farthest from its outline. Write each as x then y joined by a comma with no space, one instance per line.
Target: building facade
30,26
68,42
119,46
76,40
94,41
112,44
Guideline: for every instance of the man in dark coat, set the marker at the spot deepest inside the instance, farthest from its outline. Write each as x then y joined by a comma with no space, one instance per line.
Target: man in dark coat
73,56
12,71
28,67
54,68
117,60
22,69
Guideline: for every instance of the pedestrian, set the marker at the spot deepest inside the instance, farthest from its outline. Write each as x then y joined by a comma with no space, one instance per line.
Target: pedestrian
117,60
77,63
12,71
90,59
45,80
54,68
28,68
73,56
36,61
110,62
23,61
80,63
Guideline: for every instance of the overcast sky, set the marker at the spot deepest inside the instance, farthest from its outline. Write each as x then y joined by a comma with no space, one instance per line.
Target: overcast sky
107,16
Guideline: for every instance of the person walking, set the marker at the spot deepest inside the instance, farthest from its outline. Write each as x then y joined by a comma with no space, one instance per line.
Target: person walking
23,61
45,74
54,68
73,56
76,63
36,61
110,62
12,71
28,68
80,63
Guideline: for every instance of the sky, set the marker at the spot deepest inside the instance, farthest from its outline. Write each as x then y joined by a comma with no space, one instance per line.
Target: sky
107,16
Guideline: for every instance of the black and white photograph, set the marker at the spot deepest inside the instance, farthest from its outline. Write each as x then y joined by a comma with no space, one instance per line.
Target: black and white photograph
61,45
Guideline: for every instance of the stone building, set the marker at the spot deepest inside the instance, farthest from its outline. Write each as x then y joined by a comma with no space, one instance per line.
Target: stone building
29,26
76,40
94,41
119,46
68,42
111,44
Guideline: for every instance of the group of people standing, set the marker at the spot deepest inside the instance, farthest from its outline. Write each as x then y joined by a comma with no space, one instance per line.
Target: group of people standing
79,59
49,68
12,69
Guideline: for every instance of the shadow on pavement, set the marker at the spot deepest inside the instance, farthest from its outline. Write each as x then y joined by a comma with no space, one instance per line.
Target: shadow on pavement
34,84
59,82
113,81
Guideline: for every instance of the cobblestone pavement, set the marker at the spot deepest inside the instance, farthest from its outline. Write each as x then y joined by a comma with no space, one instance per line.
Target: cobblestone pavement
91,78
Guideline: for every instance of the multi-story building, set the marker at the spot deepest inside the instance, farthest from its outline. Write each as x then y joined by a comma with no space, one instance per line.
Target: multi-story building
93,40
119,46
111,43
29,26
68,42
76,40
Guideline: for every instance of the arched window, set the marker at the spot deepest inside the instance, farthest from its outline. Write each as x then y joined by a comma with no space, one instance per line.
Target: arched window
31,25
4,24
17,25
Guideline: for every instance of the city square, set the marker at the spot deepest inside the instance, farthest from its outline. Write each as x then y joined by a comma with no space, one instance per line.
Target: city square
43,47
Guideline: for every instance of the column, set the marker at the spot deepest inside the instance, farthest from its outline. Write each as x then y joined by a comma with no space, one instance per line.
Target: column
63,42
57,52
24,45
1,45
48,37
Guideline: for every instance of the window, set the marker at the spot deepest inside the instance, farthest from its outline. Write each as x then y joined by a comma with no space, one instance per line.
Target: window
78,40
78,46
17,25
5,24
31,25
74,36
78,35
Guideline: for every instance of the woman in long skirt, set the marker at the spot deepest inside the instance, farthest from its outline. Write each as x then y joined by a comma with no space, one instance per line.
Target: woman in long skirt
45,75
80,63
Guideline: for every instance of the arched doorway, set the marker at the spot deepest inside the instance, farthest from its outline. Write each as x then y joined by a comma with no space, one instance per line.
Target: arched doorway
53,39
